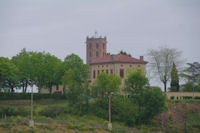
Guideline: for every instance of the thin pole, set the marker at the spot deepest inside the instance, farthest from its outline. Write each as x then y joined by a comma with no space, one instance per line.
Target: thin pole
32,103
109,108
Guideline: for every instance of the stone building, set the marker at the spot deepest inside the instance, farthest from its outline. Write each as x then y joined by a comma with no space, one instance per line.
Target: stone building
100,61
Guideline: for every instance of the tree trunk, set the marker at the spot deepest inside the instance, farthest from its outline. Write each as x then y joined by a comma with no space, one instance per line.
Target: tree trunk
165,86
50,89
12,89
23,89
26,85
39,88
57,87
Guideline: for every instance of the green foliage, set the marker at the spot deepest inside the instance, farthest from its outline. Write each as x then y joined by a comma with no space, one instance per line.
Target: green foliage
12,111
174,79
23,96
8,74
45,127
135,80
124,53
23,62
81,127
39,68
106,83
188,87
75,77
192,72
187,97
161,62
52,111
53,71
152,102
148,101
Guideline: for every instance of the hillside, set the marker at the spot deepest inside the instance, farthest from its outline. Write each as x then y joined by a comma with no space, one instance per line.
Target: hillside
181,116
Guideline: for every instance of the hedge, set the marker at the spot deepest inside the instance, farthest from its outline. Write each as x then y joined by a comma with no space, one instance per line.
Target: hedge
24,96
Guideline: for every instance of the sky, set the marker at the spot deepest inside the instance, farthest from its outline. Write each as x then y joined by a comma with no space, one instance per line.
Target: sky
60,27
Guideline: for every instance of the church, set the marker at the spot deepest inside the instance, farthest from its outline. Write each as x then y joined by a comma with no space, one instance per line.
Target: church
100,61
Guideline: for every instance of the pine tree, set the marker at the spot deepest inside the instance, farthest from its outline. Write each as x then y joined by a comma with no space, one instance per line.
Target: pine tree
174,79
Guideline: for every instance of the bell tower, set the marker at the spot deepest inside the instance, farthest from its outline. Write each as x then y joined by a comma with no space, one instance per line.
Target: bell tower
95,47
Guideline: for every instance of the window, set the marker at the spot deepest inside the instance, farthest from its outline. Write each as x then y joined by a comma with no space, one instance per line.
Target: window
98,71
130,65
94,74
107,71
90,45
90,54
103,45
121,65
111,71
138,65
121,73
97,45
102,66
97,54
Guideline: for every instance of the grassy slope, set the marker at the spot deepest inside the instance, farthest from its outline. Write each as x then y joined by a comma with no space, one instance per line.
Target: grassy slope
181,116
61,123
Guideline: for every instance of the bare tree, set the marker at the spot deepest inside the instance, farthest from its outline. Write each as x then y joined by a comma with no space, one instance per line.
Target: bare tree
161,62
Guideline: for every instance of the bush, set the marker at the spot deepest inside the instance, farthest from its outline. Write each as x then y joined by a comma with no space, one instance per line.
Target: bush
172,89
13,111
172,97
52,111
24,96
81,127
187,97
120,109
197,97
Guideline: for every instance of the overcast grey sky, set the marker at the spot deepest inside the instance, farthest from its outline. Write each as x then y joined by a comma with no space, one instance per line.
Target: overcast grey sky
60,27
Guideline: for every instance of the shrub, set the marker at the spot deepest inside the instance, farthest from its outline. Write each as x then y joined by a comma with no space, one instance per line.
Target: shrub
71,125
84,127
52,111
197,97
13,111
187,97
36,96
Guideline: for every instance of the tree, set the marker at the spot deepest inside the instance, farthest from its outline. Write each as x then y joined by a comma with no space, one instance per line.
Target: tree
38,69
135,80
23,62
148,101
52,71
8,74
174,79
75,77
192,72
124,53
188,87
106,83
161,62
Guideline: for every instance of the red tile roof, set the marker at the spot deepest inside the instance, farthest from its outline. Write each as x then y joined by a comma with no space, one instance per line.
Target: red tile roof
116,59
